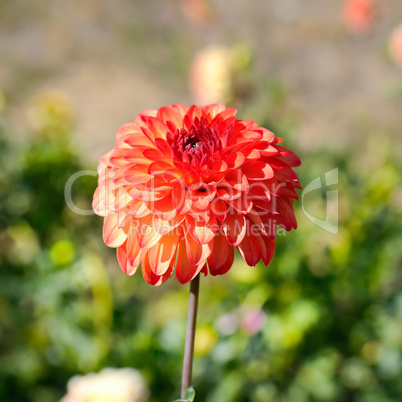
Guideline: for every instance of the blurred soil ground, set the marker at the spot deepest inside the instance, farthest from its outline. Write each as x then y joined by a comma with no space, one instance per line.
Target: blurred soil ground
114,59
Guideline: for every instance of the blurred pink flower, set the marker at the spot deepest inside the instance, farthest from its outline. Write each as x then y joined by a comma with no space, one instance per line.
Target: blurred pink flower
253,321
395,45
110,385
360,15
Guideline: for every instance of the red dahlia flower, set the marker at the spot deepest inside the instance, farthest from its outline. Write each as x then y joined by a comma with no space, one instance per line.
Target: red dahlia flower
183,186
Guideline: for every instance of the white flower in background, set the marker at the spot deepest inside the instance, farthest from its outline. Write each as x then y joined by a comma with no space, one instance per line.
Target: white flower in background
110,385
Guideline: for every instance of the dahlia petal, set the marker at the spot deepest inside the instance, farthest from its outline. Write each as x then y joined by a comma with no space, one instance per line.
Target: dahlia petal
219,208
266,134
219,253
238,180
185,271
249,249
192,113
202,233
164,227
266,246
202,217
202,197
227,193
142,118
247,124
286,175
226,126
151,277
165,209
150,196
117,175
173,175
226,265
227,113
296,184
136,140
242,204
104,160
254,154
123,261
160,256
158,167
245,146
147,236
149,134
244,137
136,193
283,171
197,253
235,160
191,180
163,146
288,156
289,191
157,184
135,155
113,235
128,128
258,170
122,198
273,186
168,113
182,109
213,109
234,227
259,191
137,174
155,155
266,149
107,176
181,200
135,254
220,166
158,128
138,209
286,216
122,256
255,217
201,203
270,222
117,157
269,206
100,203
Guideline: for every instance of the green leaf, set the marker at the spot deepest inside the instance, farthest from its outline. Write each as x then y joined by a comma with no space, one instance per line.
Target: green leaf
190,395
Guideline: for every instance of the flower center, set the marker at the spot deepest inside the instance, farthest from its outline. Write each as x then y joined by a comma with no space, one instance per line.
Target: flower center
196,147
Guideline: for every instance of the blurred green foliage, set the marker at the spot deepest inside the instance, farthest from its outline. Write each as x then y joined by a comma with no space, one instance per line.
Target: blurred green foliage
322,323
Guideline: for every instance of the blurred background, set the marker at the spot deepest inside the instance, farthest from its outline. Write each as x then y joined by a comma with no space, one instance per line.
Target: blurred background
324,321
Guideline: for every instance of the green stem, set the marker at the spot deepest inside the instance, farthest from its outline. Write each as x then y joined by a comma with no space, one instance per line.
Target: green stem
190,335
